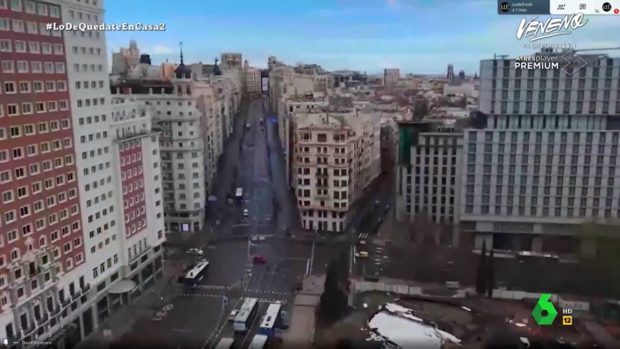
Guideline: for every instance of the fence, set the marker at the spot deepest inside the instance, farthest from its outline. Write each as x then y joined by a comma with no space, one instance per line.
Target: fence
400,288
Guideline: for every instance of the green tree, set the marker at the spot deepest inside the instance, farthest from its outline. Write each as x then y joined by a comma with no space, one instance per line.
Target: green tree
600,255
333,304
481,285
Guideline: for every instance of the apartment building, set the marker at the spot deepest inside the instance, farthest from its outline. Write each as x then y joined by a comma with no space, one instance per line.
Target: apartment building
136,160
42,231
543,161
126,58
429,170
175,114
253,81
336,155
230,60
391,76
64,259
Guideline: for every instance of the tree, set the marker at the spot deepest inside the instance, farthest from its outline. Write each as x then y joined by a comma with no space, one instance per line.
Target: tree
490,275
601,257
333,304
481,285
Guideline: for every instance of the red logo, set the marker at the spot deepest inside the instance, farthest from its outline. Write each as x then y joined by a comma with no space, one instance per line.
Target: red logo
616,11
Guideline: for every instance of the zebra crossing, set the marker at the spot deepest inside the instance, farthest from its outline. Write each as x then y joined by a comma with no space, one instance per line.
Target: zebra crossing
362,236
265,299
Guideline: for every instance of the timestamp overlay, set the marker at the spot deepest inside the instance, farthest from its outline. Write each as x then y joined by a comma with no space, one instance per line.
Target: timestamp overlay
124,26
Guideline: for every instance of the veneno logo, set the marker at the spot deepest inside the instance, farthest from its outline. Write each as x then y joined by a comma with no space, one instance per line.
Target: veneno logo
538,30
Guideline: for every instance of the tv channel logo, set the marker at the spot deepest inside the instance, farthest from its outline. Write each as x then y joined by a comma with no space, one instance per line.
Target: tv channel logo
544,313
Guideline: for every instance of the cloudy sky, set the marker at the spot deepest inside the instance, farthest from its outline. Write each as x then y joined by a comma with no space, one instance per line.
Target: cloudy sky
418,36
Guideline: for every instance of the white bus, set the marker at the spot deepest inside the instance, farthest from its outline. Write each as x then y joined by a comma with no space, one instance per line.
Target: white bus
239,193
270,320
259,342
245,315
197,273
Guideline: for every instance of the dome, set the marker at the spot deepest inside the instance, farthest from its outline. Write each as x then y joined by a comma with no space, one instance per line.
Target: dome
182,71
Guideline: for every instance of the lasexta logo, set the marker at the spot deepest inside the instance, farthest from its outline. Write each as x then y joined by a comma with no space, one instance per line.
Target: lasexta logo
544,312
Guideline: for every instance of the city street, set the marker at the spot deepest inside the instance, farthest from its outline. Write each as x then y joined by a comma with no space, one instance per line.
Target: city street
231,239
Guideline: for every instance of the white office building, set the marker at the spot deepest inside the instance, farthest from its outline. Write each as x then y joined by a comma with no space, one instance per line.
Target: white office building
543,159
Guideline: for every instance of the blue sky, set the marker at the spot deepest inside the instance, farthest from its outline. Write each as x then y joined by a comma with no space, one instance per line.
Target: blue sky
418,36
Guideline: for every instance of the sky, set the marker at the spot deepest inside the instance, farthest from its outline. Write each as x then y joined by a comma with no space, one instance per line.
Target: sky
417,36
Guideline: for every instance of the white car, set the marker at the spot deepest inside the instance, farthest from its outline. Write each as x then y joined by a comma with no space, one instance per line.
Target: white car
246,213
195,252
361,254
247,126
233,314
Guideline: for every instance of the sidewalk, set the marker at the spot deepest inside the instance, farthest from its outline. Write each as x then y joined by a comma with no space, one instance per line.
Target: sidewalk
124,319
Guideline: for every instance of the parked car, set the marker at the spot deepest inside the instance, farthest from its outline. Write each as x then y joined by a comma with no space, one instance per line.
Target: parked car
195,252
247,125
246,213
361,254
259,259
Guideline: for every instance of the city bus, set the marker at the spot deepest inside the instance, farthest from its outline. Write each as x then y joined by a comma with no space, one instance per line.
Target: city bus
239,193
259,342
271,319
197,273
245,315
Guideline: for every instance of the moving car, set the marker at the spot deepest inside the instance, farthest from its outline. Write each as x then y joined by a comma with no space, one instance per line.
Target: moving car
361,254
247,125
246,213
195,252
259,259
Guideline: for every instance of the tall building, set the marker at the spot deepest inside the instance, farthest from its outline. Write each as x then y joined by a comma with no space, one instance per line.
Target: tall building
391,76
544,159
182,157
429,170
450,74
336,156
461,75
80,227
253,81
126,58
231,60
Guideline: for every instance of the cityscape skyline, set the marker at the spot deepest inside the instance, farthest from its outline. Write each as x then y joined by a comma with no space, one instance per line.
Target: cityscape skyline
415,36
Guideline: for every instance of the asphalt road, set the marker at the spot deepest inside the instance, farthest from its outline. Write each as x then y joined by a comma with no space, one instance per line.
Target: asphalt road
233,273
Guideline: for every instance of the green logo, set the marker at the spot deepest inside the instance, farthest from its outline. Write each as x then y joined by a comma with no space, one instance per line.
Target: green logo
544,312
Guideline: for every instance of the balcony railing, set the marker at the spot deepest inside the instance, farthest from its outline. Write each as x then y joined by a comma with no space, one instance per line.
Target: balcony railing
65,302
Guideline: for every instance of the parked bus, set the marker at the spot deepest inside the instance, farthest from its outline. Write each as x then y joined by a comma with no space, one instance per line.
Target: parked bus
271,319
245,315
259,342
197,273
239,194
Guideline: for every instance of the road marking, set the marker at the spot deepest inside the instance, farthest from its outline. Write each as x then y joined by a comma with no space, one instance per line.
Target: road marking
211,287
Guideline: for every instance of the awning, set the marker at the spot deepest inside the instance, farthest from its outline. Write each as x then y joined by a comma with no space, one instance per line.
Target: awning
122,286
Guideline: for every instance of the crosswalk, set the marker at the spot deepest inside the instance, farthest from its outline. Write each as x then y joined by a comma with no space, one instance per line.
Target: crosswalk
265,299
362,236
